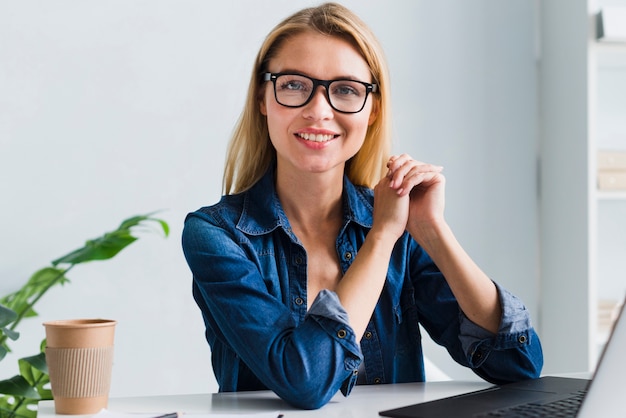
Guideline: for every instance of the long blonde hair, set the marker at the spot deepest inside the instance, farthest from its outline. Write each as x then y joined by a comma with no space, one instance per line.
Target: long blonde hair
250,151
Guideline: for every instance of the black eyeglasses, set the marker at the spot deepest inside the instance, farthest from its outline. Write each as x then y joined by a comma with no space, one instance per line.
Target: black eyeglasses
296,90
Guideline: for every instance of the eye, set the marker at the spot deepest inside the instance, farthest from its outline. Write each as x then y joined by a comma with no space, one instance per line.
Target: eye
287,84
347,88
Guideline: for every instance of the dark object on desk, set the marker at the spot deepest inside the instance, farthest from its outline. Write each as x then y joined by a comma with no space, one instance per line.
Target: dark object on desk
500,401
603,397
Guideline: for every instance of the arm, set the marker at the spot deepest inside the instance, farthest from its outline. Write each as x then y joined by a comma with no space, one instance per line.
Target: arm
475,292
361,285
492,334
244,303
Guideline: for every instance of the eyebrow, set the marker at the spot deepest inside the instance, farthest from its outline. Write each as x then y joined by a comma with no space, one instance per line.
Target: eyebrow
341,77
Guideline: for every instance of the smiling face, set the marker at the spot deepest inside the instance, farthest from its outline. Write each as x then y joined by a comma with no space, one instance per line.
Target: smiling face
315,138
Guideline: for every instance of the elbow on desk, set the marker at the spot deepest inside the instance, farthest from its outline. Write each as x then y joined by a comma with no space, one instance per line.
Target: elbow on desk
307,393
508,366
306,398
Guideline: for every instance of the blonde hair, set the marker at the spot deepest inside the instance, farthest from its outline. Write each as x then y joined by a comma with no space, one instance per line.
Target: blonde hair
250,151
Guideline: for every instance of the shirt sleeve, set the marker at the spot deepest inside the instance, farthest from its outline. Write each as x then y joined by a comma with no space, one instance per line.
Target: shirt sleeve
514,353
515,320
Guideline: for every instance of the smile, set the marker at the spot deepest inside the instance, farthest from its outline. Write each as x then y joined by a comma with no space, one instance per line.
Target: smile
316,137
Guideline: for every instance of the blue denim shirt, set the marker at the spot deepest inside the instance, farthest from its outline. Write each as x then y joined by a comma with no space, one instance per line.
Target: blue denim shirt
250,282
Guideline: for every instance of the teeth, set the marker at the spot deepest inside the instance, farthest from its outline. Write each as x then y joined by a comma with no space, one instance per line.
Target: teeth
315,138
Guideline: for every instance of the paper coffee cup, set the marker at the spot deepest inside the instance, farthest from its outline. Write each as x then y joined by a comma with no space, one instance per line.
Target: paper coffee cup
79,354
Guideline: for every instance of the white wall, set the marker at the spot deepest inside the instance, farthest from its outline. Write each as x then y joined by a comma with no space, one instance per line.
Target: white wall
115,108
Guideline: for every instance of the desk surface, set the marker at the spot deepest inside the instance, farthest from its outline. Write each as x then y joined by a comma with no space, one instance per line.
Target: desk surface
363,402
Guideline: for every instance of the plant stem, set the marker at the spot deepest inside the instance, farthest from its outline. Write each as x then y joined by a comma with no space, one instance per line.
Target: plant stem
20,315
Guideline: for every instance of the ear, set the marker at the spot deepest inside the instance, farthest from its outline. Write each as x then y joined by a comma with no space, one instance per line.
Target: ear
374,112
260,97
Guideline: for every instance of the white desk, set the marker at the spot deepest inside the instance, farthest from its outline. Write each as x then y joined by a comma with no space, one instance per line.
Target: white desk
363,402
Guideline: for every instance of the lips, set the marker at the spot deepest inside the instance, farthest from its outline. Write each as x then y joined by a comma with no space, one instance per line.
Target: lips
316,137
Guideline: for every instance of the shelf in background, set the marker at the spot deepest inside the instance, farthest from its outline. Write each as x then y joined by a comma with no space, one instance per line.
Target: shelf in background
611,194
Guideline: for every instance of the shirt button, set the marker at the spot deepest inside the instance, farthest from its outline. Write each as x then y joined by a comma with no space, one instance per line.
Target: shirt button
378,380
347,255
299,301
298,260
368,335
342,333
522,339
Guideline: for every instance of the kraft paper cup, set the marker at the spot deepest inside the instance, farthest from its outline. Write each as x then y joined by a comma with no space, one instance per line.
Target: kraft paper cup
79,354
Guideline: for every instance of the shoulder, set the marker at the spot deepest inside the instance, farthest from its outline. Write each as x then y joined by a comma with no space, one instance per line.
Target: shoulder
226,211
221,214
211,228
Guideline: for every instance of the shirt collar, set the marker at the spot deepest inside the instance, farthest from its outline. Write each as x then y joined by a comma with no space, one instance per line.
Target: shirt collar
262,211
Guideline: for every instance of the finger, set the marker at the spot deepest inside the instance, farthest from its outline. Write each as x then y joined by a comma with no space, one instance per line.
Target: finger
411,168
415,179
399,166
396,161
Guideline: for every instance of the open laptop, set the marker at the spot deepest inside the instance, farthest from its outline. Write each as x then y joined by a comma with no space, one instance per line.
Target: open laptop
603,396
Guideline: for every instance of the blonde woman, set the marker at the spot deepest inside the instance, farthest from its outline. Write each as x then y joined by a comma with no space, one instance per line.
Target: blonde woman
315,268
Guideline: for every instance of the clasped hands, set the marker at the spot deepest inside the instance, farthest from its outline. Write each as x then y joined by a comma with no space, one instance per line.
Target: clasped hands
410,197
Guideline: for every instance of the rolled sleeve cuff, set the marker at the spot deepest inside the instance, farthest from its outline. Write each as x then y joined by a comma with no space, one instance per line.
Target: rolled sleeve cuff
515,329
327,310
327,305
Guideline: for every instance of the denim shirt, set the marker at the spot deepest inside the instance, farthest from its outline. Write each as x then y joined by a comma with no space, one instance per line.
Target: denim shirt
250,283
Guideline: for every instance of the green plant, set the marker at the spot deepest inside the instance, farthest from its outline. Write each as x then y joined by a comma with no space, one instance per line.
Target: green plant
20,394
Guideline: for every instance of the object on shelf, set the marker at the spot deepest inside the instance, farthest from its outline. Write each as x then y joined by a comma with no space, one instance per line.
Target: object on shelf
611,24
608,309
611,180
611,170
611,160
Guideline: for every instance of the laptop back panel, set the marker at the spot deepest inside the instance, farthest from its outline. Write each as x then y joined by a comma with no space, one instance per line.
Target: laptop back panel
606,396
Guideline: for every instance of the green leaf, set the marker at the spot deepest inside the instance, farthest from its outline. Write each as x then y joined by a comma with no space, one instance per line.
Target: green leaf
7,315
30,365
11,407
13,335
3,353
111,243
45,276
35,370
99,249
21,301
18,386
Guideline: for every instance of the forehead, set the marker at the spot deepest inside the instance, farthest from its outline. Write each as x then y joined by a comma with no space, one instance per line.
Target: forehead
320,56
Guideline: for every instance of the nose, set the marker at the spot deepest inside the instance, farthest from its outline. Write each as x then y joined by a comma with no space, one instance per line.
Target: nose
318,107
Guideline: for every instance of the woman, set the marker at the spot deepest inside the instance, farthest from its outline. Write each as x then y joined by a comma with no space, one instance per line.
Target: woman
325,253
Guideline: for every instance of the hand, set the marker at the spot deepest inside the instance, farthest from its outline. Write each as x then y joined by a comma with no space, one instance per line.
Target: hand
391,210
425,185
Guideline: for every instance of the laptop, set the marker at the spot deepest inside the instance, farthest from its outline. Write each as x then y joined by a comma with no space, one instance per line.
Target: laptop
602,396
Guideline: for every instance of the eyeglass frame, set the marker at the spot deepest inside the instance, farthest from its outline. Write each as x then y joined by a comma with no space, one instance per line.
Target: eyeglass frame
369,88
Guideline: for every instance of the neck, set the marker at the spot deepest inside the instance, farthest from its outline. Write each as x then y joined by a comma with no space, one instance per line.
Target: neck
311,199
